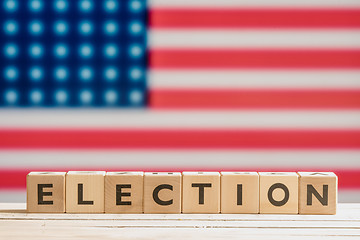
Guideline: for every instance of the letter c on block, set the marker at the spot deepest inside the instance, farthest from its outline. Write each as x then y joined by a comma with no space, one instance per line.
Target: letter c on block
156,194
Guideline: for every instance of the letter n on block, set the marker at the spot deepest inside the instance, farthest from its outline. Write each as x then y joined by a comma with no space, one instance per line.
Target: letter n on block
318,193
45,192
279,192
124,192
85,192
162,192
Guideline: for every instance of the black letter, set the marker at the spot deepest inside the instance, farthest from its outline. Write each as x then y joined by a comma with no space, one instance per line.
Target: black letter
156,194
239,194
201,187
80,196
119,194
41,194
286,197
311,190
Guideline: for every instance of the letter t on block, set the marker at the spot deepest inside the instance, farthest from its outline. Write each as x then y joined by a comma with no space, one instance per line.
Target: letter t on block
318,193
45,192
85,192
201,192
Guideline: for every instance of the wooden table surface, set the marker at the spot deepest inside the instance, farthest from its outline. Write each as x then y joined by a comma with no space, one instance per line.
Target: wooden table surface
15,223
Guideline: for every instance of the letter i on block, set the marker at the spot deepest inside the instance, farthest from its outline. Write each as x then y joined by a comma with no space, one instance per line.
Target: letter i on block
201,192
279,192
85,192
124,192
318,193
162,192
239,192
45,192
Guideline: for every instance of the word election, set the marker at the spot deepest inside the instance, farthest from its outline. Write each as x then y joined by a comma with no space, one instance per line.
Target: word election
187,192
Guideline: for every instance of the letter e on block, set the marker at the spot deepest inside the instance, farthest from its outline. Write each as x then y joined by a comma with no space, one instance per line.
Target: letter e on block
279,192
45,192
318,193
124,192
85,192
201,192
239,192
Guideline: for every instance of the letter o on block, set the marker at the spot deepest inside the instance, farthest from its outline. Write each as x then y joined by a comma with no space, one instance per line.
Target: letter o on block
279,192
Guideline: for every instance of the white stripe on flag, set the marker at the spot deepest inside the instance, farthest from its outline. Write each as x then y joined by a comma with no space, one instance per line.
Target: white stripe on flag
12,196
235,38
248,79
136,119
172,159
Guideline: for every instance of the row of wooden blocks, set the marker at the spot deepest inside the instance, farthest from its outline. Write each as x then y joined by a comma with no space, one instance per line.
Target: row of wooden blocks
187,192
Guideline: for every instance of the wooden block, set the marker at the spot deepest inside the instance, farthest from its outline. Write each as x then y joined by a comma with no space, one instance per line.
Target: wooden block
239,192
162,192
124,192
318,192
85,192
201,192
46,192
279,192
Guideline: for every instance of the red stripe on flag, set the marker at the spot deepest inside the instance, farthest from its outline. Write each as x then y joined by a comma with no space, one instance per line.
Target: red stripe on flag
254,18
268,58
254,99
16,179
179,139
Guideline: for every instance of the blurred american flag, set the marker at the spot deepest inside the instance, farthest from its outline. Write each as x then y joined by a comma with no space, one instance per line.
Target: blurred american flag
233,85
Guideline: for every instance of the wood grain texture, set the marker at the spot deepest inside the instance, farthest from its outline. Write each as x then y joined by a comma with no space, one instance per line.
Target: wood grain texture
45,192
201,192
85,192
16,223
162,192
325,185
124,192
279,192
239,192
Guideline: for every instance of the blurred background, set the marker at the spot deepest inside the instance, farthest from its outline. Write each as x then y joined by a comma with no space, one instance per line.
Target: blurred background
173,85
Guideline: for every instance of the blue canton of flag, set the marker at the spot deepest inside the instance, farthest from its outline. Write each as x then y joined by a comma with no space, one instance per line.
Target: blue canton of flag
73,53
